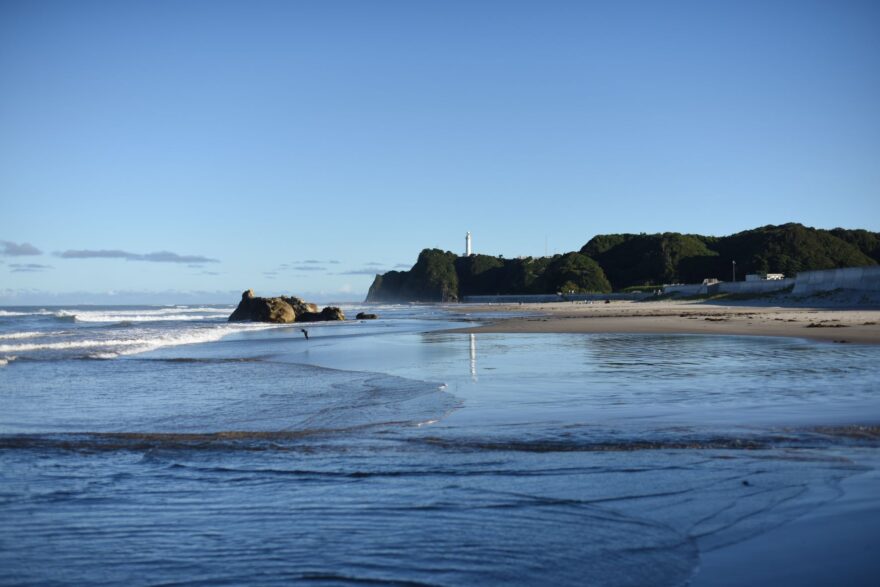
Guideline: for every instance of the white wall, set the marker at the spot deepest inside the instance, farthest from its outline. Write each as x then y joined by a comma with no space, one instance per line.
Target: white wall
859,278
755,287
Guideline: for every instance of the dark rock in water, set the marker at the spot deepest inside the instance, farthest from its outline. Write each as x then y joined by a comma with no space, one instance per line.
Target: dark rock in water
333,313
281,310
256,309
365,316
328,313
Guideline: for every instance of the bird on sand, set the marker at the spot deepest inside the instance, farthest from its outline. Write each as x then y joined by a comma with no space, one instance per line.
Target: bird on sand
306,332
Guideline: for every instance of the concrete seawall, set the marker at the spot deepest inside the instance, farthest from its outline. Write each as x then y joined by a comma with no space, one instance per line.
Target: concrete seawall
755,287
806,283
854,278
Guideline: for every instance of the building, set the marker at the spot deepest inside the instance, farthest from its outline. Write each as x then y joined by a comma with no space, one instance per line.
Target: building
764,276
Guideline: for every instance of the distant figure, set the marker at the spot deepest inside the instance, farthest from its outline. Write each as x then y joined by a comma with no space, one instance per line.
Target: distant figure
306,332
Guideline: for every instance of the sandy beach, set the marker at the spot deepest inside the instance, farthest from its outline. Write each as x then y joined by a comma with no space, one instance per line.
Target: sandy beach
826,322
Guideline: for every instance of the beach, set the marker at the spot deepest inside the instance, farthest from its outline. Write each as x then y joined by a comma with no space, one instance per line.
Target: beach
833,543
840,323
154,445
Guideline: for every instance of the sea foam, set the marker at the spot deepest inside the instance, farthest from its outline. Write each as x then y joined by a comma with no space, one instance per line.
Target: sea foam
139,341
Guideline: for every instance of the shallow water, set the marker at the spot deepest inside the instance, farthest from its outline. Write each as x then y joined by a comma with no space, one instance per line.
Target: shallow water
390,452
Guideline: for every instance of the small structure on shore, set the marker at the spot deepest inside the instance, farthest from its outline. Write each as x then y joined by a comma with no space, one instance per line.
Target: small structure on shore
765,276
281,310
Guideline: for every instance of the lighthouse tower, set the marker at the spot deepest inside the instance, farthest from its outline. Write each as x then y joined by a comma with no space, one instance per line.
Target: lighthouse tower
467,245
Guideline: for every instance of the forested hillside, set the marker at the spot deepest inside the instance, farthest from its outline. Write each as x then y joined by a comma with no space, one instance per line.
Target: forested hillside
617,261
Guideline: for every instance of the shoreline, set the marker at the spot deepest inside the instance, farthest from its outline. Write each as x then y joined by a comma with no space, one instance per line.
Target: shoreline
859,325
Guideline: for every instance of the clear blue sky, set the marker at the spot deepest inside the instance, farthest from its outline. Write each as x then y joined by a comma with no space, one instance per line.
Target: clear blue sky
254,137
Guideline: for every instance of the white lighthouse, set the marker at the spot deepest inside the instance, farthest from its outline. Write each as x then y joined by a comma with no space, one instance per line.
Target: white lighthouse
467,245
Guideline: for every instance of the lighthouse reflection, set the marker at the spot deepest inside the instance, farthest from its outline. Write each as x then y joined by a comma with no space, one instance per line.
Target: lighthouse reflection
473,353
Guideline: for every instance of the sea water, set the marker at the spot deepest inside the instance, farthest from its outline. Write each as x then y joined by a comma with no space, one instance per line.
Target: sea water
160,445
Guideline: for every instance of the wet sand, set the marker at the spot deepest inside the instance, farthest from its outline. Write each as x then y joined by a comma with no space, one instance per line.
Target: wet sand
831,324
835,544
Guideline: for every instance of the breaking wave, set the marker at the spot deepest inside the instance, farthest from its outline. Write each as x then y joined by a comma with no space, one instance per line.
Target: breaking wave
139,341
29,334
124,315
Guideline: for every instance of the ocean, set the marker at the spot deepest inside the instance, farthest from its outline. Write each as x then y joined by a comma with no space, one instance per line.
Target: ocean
146,445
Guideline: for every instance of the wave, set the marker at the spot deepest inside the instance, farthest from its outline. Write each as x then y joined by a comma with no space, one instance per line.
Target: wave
28,334
121,317
6,360
136,344
134,314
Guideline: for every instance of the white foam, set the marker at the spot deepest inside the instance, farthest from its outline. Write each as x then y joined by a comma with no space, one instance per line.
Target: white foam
6,360
29,334
130,315
40,312
141,317
140,341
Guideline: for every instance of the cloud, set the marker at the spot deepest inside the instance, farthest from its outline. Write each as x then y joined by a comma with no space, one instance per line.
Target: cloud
308,268
375,264
157,257
364,271
402,266
11,249
312,262
28,267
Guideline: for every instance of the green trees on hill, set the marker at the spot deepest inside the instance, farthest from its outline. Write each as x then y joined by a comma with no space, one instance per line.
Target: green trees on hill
654,259
650,259
486,275
441,276
623,260
431,279
788,249
574,273
867,242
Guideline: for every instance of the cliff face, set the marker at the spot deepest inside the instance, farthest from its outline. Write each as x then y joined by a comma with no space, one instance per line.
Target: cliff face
431,279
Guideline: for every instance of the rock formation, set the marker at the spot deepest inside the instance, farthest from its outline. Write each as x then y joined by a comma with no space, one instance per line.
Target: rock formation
328,313
365,316
299,306
280,310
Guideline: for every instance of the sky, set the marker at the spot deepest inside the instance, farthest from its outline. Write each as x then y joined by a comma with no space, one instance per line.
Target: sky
173,151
